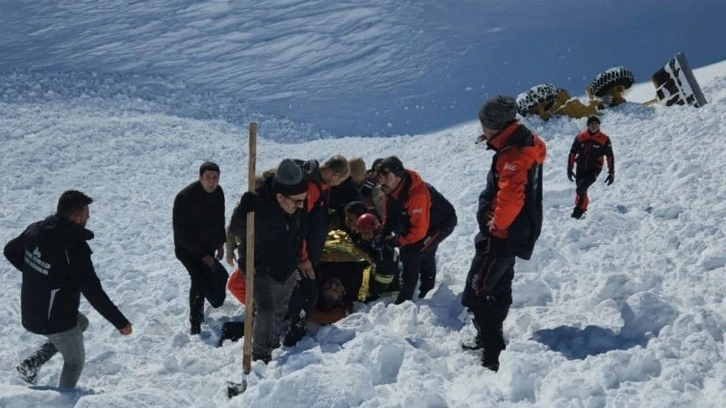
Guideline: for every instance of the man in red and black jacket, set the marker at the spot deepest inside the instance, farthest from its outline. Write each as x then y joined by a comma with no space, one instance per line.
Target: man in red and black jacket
419,218
590,148
510,221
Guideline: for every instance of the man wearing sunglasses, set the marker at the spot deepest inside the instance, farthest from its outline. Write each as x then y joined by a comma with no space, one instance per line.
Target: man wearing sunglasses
279,208
419,218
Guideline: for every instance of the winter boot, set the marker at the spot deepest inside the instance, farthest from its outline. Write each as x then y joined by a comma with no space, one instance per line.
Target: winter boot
294,334
577,213
231,331
29,368
196,327
28,373
490,359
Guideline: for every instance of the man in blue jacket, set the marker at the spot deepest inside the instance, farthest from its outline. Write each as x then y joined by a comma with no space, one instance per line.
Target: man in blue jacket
56,263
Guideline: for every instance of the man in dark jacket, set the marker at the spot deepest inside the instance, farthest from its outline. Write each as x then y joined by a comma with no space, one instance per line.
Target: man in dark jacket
198,221
56,263
321,178
510,221
419,218
590,148
278,205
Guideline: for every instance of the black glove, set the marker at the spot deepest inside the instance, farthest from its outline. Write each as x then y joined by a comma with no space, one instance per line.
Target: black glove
571,175
610,179
378,241
392,241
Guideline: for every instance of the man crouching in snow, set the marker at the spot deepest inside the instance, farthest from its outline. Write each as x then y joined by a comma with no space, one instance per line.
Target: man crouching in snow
510,220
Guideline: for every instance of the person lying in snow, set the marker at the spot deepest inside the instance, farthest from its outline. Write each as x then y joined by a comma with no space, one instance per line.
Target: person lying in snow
343,277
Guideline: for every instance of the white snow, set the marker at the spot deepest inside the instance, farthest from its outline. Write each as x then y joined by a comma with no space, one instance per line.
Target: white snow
622,309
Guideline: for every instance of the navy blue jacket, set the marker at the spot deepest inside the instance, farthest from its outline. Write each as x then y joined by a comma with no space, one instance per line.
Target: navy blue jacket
56,263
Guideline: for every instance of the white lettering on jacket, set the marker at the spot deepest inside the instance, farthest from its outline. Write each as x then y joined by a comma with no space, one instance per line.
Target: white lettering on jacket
35,261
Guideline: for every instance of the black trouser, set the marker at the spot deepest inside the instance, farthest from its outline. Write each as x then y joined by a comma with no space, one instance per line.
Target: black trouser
198,274
304,298
302,301
388,273
318,223
582,183
488,294
419,259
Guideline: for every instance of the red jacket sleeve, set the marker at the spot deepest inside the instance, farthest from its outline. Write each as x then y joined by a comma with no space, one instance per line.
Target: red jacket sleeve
418,209
510,197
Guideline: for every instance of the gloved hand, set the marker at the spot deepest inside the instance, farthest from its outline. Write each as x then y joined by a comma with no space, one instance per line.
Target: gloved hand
378,241
610,179
571,175
392,241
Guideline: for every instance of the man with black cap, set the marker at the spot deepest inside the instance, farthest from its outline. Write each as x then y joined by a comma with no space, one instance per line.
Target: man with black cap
416,218
278,204
198,222
589,150
510,220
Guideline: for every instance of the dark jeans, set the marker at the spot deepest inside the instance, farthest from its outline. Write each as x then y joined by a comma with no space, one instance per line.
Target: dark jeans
271,301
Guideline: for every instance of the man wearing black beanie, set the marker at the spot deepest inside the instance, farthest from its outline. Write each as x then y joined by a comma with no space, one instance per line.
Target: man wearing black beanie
279,206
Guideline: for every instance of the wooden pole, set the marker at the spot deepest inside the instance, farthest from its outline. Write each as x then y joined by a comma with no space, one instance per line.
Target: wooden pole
250,254
233,388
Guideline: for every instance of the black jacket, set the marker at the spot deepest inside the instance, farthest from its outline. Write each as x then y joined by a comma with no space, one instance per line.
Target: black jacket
278,236
198,220
56,263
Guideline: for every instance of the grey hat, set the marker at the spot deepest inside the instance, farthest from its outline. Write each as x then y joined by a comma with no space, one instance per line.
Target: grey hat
289,179
498,112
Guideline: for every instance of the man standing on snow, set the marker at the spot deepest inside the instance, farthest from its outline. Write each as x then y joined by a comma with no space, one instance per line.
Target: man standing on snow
55,259
419,218
278,204
588,150
199,236
510,220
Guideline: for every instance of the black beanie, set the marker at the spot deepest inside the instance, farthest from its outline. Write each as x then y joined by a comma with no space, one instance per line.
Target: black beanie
593,118
289,179
498,112
392,164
